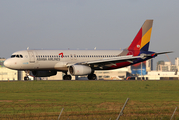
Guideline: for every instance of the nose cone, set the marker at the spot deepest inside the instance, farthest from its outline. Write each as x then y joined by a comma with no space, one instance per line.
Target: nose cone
7,63
11,63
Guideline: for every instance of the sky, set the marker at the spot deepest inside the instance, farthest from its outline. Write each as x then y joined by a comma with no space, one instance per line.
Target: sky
86,24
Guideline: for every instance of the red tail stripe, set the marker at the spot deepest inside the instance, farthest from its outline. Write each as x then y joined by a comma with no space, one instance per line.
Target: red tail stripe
135,45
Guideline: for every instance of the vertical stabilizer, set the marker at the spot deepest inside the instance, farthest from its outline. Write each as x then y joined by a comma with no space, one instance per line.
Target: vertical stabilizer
142,39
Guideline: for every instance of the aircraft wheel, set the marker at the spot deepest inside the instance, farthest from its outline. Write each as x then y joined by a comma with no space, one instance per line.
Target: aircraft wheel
26,78
67,77
91,77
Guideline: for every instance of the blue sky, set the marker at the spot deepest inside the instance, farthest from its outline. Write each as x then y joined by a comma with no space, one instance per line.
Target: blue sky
80,24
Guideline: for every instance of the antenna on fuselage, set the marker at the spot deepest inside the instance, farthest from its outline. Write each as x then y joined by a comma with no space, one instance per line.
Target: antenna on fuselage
95,48
27,48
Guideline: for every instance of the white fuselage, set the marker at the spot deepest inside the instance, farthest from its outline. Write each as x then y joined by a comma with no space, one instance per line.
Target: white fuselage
55,59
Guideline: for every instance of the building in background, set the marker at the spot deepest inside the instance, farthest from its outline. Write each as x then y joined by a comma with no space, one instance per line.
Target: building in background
142,67
116,74
166,66
2,62
177,62
159,63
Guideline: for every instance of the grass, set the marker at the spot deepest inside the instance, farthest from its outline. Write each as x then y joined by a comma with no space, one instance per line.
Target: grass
88,98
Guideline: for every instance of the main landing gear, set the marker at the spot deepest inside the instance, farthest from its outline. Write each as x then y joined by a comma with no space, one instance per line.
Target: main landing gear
91,77
66,77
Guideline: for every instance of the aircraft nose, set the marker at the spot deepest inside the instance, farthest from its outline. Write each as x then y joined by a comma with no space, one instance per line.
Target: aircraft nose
7,63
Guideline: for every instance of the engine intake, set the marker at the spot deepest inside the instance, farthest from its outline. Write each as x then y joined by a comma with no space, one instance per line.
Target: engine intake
79,70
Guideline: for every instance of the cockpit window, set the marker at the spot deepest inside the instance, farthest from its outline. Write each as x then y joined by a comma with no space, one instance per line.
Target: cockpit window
12,56
17,56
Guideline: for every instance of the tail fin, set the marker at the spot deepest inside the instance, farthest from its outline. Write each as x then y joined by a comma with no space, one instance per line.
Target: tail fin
142,39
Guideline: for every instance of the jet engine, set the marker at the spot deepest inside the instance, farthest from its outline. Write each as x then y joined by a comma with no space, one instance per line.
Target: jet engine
80,70
44,73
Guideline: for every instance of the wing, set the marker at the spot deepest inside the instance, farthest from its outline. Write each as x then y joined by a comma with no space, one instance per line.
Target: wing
107,61
114,60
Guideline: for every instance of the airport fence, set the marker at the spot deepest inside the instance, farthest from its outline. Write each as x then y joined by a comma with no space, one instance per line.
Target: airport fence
102,111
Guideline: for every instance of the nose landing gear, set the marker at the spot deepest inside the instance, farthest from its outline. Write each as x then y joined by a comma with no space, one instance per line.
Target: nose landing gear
26,78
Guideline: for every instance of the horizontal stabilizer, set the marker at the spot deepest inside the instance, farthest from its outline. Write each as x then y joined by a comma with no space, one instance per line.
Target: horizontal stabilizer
164,52
155,54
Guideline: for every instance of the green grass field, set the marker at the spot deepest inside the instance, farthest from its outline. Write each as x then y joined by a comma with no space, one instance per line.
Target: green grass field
88,99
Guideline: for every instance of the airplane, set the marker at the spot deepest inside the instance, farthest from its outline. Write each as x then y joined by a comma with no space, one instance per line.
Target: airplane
45,63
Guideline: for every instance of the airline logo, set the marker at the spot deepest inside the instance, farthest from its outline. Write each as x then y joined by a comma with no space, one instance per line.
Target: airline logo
138,46
61,54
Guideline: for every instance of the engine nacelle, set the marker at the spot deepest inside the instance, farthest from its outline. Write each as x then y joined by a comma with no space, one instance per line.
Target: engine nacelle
79,70
44,73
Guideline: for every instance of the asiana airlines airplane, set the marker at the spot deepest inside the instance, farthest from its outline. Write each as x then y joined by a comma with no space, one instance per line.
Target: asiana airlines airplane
45,63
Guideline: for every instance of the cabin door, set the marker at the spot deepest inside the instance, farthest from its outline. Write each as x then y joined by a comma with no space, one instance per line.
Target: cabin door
31,57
